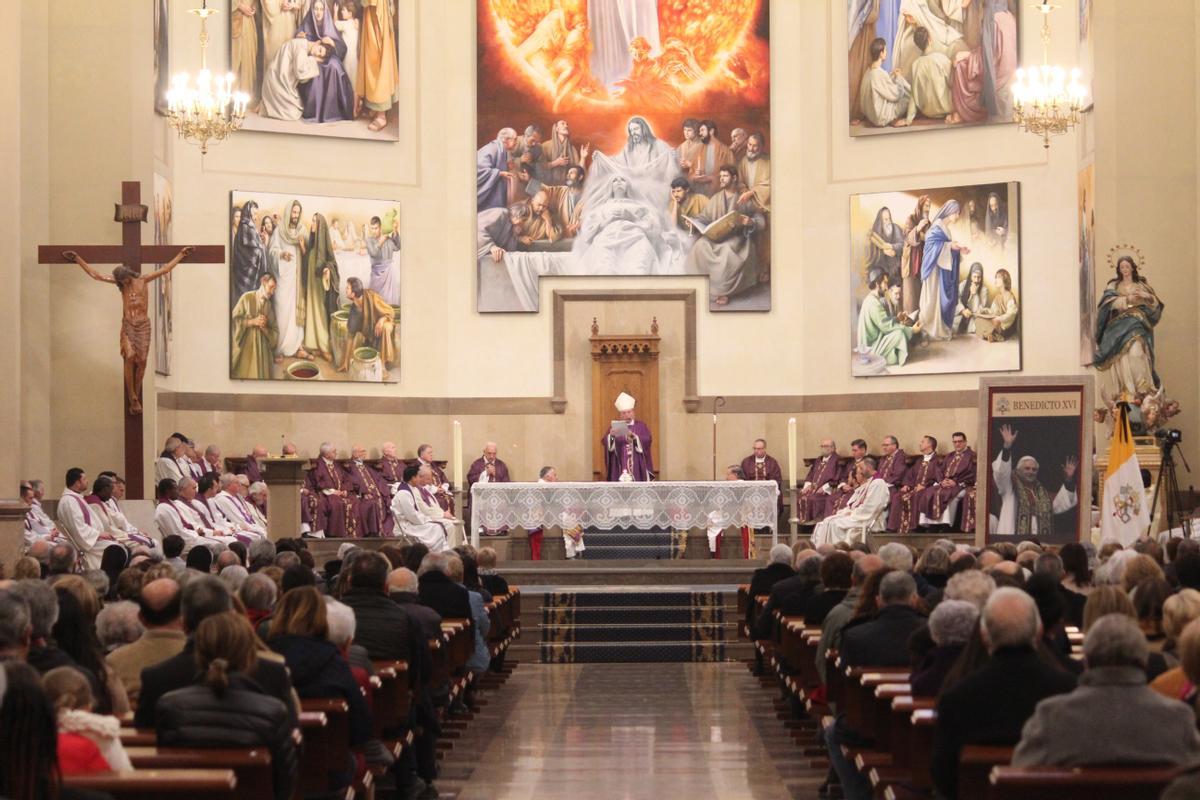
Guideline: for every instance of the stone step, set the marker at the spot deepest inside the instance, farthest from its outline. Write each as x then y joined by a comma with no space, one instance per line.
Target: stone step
595,552
629,615
635,651
637,632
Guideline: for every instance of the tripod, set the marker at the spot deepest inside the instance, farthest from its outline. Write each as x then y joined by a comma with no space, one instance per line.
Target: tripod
1168,481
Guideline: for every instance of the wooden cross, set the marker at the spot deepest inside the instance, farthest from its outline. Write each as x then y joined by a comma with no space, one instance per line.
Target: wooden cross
131,213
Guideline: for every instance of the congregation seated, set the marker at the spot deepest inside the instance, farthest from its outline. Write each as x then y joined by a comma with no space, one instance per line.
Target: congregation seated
791,596
1080,727
204,596
163,637
441,592
299,631
227,704
1015,670
87,742
402,589
489,576
200,678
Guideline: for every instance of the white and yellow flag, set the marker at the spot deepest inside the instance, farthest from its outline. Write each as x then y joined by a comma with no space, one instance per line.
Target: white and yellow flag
1124,512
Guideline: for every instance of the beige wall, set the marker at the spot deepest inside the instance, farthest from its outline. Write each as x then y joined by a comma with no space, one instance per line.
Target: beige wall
102,129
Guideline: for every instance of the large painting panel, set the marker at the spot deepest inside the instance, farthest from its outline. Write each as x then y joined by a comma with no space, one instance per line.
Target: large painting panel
935,280
320,67
164,211
623,137
924,64
314,288
1087,264
162,56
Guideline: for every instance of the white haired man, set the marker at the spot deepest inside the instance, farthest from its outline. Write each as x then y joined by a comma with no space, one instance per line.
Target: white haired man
991,705
1112,717
865,512
1026,507
233,510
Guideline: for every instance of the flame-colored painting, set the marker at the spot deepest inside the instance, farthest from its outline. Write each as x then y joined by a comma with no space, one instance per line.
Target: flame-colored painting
623,138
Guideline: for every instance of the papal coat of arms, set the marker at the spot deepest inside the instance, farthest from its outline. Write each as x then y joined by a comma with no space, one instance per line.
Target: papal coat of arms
1128,503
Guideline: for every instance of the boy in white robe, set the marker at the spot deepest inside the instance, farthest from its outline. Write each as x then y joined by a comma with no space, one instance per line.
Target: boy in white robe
298,61
884,98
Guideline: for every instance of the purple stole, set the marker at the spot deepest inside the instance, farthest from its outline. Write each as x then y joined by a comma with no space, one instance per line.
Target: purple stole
87,515
179,515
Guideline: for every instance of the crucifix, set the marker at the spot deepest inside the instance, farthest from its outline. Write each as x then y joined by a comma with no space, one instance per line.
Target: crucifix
135,319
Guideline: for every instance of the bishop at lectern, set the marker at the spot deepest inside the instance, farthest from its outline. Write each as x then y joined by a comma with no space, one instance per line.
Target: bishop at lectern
627,445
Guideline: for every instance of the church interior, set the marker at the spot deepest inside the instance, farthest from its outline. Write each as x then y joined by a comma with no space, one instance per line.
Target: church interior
324,479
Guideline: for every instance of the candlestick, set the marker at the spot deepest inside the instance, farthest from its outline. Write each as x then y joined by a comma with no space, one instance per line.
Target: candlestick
792,451
457,466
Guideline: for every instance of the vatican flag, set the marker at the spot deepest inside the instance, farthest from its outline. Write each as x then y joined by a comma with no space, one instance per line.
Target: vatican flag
1124,514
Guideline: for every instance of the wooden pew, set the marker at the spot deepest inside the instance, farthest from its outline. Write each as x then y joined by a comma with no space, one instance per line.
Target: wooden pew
251,767
1079,783
154,784
391,705
975,764
325,727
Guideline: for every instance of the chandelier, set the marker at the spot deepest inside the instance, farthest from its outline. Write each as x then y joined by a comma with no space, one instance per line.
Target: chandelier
1045,103
210,109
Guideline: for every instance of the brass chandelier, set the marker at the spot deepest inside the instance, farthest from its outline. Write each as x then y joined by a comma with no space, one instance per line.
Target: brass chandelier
1047,100
209,110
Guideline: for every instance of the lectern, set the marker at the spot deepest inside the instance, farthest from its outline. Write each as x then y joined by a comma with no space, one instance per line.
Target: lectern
284,477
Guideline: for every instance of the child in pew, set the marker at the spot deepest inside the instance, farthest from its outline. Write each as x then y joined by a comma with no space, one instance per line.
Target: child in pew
71,696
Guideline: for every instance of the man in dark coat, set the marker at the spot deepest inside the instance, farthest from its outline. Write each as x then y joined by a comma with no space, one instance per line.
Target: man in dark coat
439,592
203,597
991,705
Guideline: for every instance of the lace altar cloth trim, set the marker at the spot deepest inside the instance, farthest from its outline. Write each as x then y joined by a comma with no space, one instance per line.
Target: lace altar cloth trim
675,505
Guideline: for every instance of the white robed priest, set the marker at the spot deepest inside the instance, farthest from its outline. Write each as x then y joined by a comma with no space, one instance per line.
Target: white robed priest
864,513
410,521
1026,508
428,505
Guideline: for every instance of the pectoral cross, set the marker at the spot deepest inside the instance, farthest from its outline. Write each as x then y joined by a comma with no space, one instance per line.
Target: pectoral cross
135,330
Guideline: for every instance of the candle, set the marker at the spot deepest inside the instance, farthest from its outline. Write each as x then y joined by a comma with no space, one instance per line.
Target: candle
457,466
792,451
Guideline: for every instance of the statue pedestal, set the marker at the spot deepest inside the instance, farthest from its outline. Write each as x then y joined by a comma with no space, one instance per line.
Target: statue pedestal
12,532
284,477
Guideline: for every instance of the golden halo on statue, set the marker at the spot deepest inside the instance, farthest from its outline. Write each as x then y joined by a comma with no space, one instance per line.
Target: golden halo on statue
1118,251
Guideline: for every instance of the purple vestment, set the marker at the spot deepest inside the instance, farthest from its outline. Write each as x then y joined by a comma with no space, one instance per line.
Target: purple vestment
904,513
629,455
329,97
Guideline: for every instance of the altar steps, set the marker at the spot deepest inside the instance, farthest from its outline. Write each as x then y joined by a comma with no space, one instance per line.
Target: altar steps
633,625
622,544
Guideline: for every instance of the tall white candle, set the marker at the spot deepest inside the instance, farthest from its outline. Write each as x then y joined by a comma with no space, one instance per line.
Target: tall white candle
457,466
791,451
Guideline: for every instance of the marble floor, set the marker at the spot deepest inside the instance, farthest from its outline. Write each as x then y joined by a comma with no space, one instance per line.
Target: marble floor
616,731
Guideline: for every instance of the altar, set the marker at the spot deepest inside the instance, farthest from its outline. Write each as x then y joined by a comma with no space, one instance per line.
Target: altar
673,505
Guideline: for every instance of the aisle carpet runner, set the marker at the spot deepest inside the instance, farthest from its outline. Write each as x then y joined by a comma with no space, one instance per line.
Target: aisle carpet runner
639,625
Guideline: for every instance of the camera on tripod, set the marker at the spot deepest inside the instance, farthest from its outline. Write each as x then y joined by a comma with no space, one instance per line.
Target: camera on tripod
1169,435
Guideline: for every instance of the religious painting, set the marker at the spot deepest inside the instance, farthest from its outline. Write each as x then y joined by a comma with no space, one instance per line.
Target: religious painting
918,65
935,281
623,138
163,211
162,61
318,67
1035,460
314,288
1087,264
1087,51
